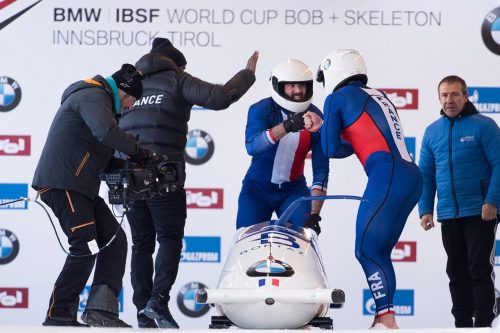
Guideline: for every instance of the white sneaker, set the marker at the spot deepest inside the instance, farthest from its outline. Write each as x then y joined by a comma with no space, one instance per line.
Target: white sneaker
379,326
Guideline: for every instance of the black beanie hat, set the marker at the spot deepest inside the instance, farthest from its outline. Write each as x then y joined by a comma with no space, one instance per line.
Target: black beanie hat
129,79
165,47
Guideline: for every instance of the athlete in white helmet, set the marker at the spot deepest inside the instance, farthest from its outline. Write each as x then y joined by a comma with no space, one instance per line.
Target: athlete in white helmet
363,121
279,144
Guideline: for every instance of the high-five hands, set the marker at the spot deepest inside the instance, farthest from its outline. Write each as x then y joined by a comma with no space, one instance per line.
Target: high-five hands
303,120
252,61
294,123
312,122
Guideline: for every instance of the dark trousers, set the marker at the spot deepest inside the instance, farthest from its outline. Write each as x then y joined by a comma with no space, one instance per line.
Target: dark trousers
163,218
85,220
470,246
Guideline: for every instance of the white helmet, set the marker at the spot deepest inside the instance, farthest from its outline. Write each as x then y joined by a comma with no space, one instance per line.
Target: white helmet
339,66
291,71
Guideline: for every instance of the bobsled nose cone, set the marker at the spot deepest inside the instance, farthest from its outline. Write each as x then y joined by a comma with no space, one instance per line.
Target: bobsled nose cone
338,296
201,296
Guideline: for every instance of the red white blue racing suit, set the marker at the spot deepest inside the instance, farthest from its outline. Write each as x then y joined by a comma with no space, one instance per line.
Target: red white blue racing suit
275,177
362,120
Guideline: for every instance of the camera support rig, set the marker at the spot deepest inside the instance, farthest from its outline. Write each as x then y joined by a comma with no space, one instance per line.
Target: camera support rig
141,181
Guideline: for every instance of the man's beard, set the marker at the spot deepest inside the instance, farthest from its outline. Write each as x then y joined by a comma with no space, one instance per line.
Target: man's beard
298,97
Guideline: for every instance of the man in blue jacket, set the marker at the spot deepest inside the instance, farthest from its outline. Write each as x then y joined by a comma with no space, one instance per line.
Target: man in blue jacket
460,158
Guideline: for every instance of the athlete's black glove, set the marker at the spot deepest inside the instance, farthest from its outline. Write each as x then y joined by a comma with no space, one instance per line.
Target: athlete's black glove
313,223
142,155
294,123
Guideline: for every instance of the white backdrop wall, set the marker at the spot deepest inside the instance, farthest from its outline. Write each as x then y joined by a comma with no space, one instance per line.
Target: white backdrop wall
407,45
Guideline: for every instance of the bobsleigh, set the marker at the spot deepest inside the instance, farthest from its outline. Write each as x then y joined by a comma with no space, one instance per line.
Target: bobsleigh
273,278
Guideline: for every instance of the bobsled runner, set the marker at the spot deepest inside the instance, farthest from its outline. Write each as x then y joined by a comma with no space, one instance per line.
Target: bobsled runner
273,278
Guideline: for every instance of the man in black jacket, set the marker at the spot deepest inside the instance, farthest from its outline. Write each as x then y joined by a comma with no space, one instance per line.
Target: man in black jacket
79,146
160,119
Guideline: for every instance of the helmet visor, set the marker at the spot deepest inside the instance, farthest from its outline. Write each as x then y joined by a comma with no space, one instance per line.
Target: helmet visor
307,95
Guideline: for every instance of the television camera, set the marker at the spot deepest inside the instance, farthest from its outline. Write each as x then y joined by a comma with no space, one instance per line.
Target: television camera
154,177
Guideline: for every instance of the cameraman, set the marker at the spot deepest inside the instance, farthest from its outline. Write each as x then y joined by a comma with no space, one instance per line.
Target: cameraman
79,146
162,127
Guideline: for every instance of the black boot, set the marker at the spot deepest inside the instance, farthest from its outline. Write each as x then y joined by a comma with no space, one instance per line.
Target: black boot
144,321
158,311
54,322
99,318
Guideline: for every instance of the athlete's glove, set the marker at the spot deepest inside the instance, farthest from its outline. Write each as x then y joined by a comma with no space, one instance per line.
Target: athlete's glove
295,123
142,155
313,223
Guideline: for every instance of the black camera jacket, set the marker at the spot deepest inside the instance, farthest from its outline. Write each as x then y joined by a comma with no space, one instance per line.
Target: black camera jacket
82,139
160,118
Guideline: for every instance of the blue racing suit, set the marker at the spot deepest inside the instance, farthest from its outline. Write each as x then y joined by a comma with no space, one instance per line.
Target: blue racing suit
363,121
275,177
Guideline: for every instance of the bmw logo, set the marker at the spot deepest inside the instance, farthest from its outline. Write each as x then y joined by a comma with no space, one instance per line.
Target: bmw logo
186,303
9,246
10,94
199,147
491,31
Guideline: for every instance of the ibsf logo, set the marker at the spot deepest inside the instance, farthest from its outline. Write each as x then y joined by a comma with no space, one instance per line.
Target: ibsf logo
485,99
187,303
404,251
15,145
10,94
490,31
11,298
205,198
411,144
84,296
199,147
404,300
200,249
9,246
403,99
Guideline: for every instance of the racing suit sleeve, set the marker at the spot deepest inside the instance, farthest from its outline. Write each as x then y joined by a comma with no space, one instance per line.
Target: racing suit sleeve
321,169
427,165
320,165
333,145
258,137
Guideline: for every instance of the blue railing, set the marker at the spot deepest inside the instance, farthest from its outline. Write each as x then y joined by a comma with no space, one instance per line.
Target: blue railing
289,211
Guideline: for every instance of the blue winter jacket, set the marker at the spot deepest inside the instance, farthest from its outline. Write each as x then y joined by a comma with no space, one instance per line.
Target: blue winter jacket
460,158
